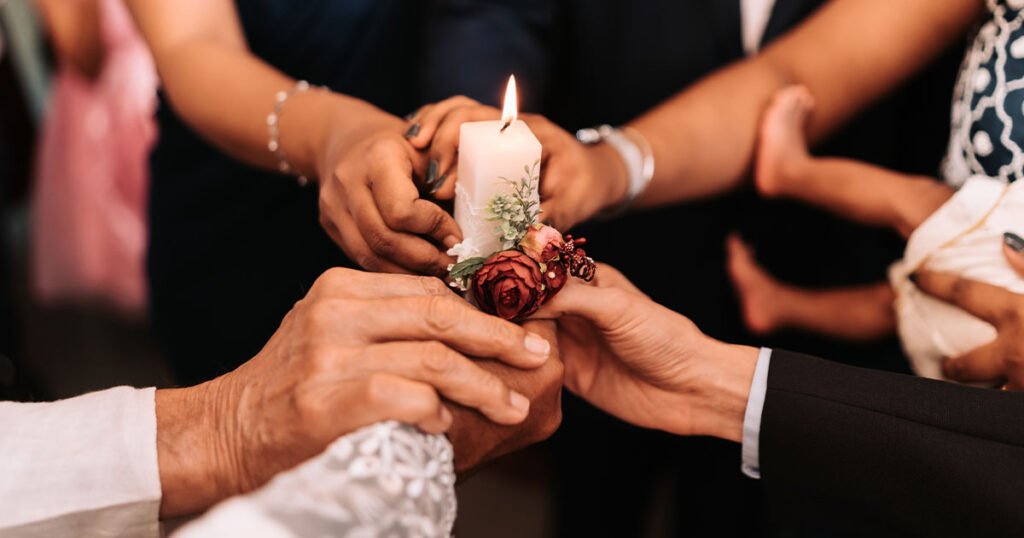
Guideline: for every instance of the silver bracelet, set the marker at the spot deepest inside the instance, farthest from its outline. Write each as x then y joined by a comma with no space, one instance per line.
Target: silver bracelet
636,154
274,118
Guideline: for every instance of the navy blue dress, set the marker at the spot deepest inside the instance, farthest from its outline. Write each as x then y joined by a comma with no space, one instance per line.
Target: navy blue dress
232,247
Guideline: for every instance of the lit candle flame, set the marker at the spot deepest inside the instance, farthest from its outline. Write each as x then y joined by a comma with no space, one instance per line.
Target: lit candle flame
511,110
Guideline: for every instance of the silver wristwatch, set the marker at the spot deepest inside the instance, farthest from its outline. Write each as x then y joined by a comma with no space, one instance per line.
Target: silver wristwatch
635,152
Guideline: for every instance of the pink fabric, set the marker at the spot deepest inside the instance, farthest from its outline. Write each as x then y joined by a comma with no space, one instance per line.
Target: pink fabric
89,219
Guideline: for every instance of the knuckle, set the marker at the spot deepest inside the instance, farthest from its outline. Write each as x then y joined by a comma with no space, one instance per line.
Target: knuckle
380,149
380,389
369,262
436,220
309,408
437,359
442,313
462,100
318,314
507,334
433,286
320,359
337,277
381,243
401,215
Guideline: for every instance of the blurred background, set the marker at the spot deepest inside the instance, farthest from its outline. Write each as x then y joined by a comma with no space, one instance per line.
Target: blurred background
73,316
78,94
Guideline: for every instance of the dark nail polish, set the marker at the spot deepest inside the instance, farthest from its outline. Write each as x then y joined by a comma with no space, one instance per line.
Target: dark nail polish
410,116
432,173
437,186
1014,241
413,131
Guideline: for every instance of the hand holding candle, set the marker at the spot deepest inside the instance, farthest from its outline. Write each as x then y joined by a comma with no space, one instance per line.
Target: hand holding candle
512,263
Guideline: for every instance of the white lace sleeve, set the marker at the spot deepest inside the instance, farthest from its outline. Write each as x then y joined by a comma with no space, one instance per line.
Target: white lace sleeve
386,480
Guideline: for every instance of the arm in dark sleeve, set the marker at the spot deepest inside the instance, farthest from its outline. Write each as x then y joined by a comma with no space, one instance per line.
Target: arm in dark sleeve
890,452
472,46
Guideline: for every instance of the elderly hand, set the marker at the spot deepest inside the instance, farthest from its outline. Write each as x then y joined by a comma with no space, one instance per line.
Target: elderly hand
359,349
646,364
577,181
371,207
1001,361
478,440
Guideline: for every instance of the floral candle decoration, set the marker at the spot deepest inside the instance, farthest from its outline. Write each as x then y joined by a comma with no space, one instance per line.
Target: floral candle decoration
509,262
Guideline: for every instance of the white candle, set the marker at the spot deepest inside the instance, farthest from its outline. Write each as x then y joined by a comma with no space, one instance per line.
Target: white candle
493,156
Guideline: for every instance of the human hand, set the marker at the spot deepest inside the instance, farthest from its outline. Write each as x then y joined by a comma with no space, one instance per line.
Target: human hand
1001,361
371,207
359,349
646,364
577,181
478,440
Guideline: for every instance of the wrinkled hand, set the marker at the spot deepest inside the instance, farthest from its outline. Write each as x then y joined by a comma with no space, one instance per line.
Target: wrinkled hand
478,440
646,364
577,181
1001,361
359,349
371,207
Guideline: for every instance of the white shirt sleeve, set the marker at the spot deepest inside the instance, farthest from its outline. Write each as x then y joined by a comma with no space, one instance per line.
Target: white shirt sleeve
755,16
383,480
81,467
752,419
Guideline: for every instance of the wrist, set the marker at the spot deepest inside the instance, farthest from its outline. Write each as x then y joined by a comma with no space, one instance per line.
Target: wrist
194,458
346,123
611,173
723,389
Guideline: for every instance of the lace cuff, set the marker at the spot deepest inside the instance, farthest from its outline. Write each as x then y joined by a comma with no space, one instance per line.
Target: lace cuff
387,479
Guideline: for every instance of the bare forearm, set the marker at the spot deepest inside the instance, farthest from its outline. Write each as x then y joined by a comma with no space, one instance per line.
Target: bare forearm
849,54
226,93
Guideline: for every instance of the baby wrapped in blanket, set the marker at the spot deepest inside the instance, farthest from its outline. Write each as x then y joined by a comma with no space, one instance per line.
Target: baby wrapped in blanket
961,232
964,237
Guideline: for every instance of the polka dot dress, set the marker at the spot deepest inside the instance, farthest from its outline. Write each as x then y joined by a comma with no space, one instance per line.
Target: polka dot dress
988,107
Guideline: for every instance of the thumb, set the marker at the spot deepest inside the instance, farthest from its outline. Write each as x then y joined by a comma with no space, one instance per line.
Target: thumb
1013,248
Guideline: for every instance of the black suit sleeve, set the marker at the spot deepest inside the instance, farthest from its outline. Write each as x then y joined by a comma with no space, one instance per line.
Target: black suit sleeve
889,453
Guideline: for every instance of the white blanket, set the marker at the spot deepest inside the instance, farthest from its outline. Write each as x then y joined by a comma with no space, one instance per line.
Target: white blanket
965,237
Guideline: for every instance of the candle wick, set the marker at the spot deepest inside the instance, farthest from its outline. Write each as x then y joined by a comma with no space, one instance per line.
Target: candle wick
506,126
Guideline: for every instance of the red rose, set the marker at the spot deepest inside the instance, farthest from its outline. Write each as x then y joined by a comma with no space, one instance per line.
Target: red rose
555,277
509,285
542,243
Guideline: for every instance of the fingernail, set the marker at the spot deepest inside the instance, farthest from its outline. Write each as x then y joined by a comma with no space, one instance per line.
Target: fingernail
446,415
518,401
413,131
411,115
450,241
432,174
1014,241
537,345
437,186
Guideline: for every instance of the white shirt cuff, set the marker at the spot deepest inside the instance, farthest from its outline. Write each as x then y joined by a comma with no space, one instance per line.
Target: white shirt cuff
85,466
752,419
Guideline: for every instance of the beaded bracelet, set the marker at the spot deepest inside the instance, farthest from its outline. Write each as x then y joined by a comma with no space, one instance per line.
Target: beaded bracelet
273,119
